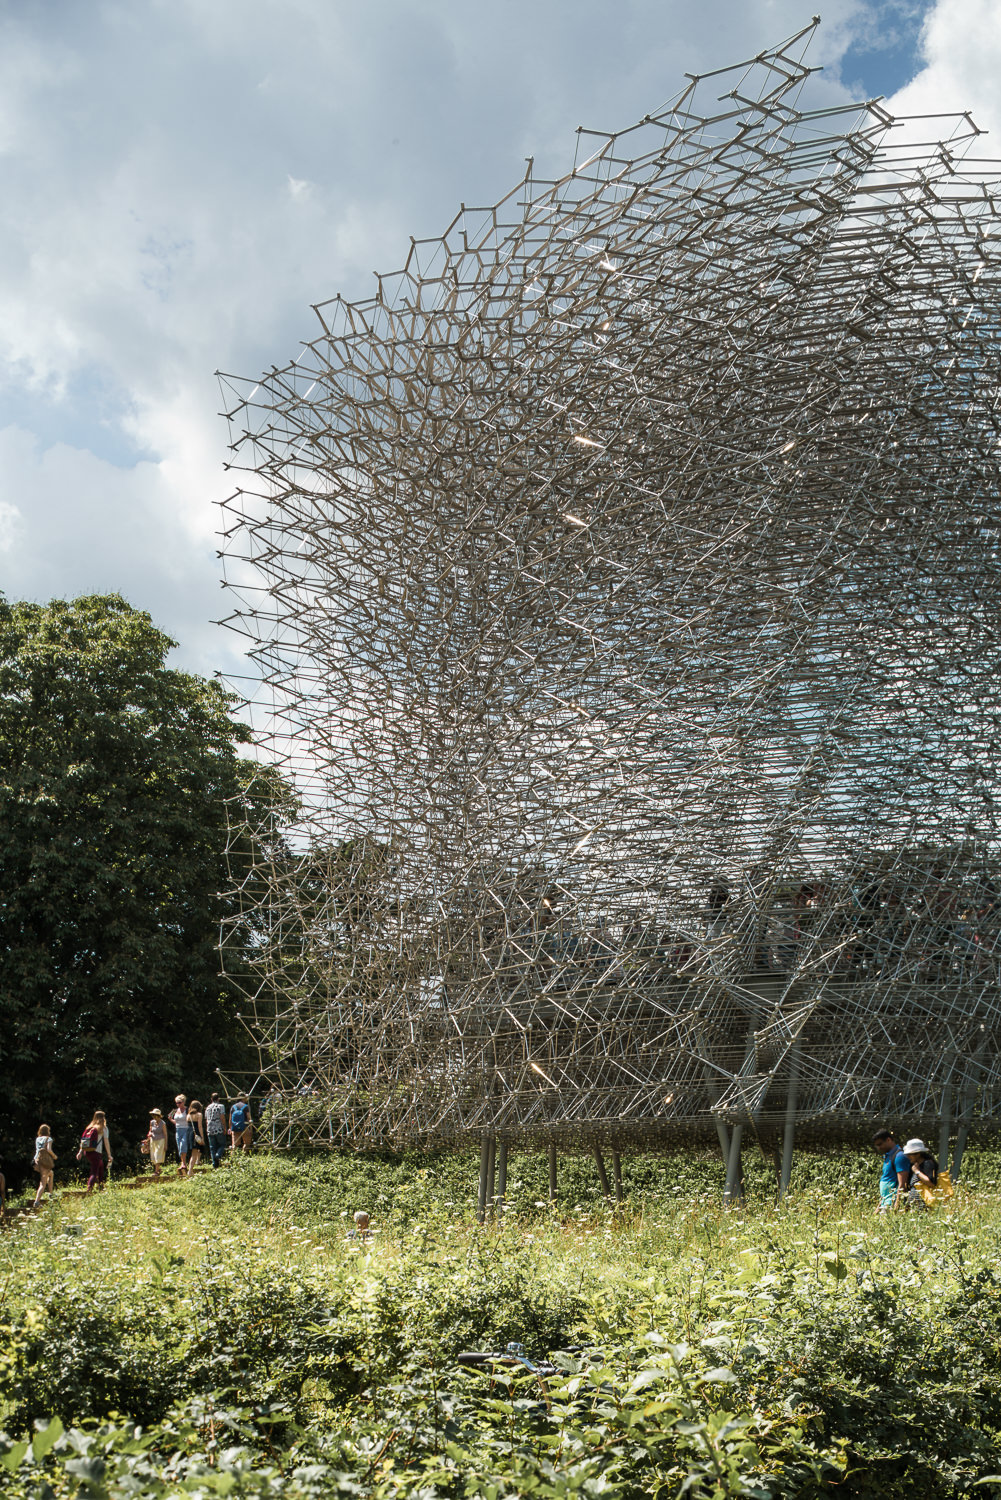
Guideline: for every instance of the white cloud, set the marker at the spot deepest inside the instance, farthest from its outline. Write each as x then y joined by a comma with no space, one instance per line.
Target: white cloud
82,525
181,180
10,525
961,46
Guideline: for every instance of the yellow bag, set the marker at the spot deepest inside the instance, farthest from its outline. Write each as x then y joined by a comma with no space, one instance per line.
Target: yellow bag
942,1191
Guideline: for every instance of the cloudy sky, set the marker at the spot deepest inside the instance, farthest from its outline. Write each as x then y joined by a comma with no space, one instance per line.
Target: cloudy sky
181,179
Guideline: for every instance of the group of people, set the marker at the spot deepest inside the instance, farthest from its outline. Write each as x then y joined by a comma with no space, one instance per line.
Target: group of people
911,1177
195,1131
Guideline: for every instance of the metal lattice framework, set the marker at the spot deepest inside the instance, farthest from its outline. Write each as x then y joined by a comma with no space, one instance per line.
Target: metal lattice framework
624,580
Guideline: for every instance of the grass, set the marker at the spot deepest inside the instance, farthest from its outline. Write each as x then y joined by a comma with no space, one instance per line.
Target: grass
288,1212
808,1313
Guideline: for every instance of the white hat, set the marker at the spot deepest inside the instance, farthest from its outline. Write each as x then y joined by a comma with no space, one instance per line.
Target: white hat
914,1145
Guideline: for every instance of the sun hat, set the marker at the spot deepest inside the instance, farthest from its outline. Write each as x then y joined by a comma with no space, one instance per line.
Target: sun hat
157,1112
914,1145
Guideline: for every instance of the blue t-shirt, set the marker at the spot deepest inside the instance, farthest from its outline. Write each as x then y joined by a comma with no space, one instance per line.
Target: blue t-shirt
895,1161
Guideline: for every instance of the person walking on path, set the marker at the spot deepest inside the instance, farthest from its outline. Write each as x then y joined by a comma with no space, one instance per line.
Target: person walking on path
96,1147
44,1163
157,1138
895,1178
196,1122
215,1128
241,1131
182,1129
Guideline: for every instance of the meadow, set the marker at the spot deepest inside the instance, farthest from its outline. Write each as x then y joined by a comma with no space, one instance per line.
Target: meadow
226,1337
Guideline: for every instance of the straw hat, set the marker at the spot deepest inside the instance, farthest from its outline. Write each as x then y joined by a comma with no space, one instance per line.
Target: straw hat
157,1112
914,1145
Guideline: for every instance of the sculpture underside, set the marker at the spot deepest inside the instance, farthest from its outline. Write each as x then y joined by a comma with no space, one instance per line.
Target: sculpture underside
624,584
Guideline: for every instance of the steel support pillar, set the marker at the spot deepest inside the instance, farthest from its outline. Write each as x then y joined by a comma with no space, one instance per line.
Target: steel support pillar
617,1175
732,1190
501,1175
599,1162
481,1201
789,1134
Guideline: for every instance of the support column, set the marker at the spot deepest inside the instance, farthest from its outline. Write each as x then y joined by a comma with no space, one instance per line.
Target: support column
599,1162
966,1118
962,1136
501,1175
491,1171
732,1189
945,1125
789,1134
481,1201
552,1174
617,1175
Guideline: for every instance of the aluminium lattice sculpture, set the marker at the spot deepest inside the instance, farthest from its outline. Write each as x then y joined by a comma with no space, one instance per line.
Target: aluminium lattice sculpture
625,586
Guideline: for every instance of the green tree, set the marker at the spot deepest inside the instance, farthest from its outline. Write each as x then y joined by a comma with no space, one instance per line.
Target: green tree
126,816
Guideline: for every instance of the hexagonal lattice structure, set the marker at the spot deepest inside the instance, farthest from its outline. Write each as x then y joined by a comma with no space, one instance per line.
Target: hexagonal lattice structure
626,588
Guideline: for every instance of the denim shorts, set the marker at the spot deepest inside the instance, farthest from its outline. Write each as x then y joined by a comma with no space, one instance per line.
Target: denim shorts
185,1137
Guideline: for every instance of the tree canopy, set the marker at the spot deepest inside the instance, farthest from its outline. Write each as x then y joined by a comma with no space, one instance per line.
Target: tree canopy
126,815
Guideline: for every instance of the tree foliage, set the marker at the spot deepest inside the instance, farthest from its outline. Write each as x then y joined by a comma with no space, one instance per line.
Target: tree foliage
122,795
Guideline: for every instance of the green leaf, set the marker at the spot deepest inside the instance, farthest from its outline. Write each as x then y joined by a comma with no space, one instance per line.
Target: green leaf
11,1460
835,1267
46,1438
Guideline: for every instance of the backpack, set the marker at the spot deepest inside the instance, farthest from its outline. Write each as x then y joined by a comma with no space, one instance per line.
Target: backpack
89,1141
44,1160
239,1118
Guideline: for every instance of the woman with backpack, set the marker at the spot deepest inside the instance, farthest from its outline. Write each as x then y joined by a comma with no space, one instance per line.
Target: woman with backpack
241,1131
44,1163
96,1147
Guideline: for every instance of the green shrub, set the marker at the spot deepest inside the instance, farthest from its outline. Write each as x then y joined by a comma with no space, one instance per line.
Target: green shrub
84,1352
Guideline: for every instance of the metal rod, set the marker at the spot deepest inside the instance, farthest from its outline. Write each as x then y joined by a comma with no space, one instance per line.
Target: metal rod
481,1201
733,1171
966,1118
789,1133
617,1175
599,1162
552,1174
945,1125
491,1163
501,1174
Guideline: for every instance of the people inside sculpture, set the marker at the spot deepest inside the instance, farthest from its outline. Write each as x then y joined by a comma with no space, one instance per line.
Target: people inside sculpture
895,1178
